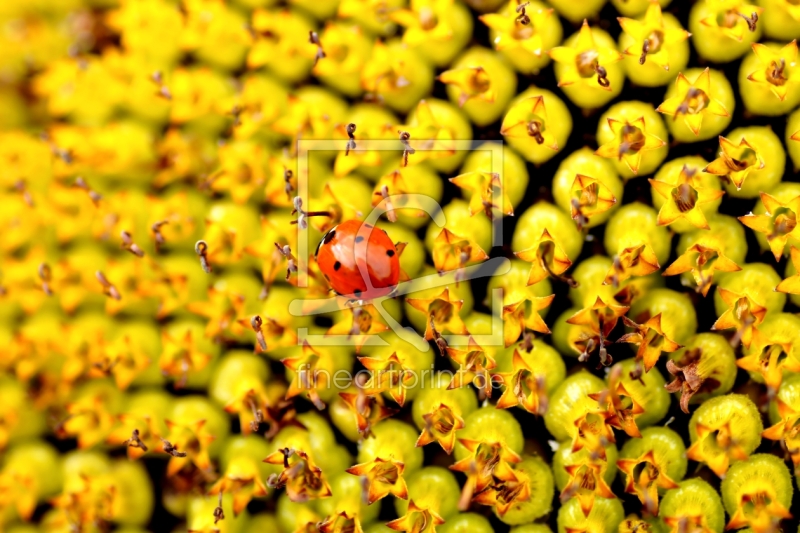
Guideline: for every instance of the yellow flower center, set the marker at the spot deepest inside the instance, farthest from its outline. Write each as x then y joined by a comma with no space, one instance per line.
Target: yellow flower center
427,18
784,221
586,63
685,197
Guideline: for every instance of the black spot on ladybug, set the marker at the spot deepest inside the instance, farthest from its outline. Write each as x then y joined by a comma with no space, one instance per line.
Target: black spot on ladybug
390,253
329,236
337,265
359,239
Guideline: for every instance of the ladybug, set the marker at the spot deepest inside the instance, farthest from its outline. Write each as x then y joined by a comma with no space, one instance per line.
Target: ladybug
351,245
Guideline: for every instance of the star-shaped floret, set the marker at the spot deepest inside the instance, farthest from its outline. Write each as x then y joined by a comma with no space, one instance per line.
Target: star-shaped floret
650,338
743,314
430,137
441,425
442,312
139,434
786,430
369,410
303,479
639,260
779,69
791,285
180,357
454,252
716,446
390,374
589,197
381,478
243,480
416,520
702,261
758,506
486,461
528,118
600,319
522,314
770,357
688,377
546,258
187,444
733,18
779,223
630,141
359,324
693,101
735,162
513,489
519,27
306,378
425,23
524,386
651,37
474,82
620,415
585,483
684,199
644,476
585,60
487,191
340,523
474,365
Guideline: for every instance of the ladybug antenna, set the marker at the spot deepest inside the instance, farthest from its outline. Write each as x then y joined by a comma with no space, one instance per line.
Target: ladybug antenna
303,215
351,144
407,149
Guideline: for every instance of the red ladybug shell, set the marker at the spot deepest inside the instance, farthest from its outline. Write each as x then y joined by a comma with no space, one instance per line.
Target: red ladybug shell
351,244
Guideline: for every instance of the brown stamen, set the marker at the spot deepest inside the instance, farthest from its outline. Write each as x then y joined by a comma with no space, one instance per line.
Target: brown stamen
407,149
172,450
108,288
46,275
645,51
135,441
286,252
602,76
201,249
313,38
157,235
128,244
351,144
288,188
219,514
752,20
256,324
535,130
